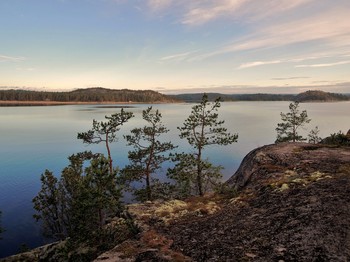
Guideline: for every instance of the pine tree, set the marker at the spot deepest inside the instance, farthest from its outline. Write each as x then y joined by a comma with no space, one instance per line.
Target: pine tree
148,155
202,128
106,132
314,136
102,187
76,205
288,130
48,203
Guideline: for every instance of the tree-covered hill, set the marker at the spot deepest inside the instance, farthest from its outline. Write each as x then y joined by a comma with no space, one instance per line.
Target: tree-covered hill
97,94
320,96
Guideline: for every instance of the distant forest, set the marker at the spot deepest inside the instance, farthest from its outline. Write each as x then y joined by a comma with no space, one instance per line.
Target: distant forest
99,95
308,96
86,95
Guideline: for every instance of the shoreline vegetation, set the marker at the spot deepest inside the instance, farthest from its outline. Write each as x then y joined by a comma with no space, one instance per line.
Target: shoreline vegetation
100,96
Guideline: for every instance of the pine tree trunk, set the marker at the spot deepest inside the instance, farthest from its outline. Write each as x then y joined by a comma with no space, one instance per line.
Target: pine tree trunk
148,187
199,172
109,155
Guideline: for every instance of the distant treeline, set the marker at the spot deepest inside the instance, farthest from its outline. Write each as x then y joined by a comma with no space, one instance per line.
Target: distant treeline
86,95
234,97
99,94
307,96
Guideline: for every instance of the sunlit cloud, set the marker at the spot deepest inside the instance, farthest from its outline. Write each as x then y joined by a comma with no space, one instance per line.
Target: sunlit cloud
326,64
4,58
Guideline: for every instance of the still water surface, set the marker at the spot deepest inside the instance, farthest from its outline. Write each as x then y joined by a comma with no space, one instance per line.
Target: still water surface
33,139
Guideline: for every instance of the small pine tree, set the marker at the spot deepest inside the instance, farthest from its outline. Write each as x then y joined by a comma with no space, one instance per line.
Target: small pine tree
148,155
48,205
314,136
202,128
287,131
102,187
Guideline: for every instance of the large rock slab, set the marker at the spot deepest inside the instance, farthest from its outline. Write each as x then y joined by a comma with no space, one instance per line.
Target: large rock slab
293,204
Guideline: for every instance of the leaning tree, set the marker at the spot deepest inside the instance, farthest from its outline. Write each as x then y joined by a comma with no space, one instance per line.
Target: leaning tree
106,131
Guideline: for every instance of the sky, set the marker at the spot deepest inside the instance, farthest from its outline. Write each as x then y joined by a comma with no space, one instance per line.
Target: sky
176,46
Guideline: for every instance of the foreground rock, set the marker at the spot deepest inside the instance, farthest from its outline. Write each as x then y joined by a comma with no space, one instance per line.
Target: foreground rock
151,217
294,205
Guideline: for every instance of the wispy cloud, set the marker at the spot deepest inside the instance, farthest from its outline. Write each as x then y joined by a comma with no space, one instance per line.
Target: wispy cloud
290,78
205,11
258,63
255,11
269,23
325,27
199,12
29,69
159,5
176,57
4,58
315,56
328,29
326,64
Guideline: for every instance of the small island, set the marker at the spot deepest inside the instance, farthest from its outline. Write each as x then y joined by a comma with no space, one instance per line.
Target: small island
320,96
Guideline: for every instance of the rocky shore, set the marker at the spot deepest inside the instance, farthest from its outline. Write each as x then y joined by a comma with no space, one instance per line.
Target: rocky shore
286,202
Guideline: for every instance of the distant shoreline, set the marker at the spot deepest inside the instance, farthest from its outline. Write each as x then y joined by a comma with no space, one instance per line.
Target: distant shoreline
4,103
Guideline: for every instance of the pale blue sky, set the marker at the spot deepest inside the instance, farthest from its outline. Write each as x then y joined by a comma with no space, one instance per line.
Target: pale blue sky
172,46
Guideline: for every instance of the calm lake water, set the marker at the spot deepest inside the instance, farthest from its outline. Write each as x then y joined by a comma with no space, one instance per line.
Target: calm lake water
37,138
